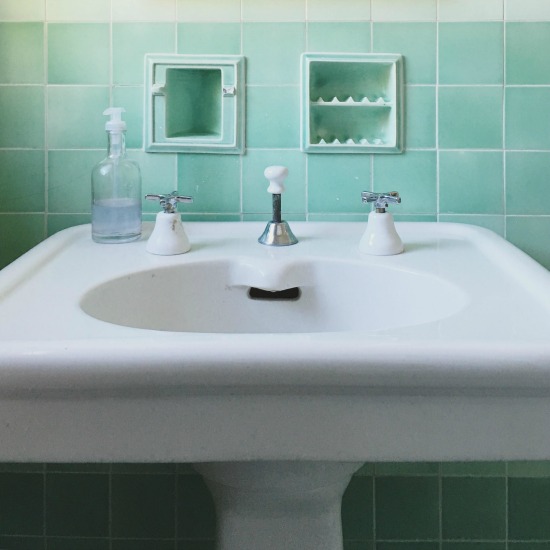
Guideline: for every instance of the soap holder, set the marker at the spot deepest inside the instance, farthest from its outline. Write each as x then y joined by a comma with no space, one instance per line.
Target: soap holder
194,103
352,103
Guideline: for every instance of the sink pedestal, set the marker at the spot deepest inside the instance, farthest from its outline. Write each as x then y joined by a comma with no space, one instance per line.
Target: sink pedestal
278,505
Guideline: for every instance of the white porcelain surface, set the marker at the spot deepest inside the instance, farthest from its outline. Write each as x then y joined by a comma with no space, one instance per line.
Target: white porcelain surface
445,354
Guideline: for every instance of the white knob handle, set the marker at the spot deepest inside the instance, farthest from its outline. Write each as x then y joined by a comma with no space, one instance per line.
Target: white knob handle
276,176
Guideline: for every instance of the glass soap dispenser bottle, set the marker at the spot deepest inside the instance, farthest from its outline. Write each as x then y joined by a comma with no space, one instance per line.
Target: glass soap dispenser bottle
116,188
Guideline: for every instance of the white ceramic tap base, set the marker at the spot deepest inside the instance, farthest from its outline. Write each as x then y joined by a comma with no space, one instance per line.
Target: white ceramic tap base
380,237
272,505
168,236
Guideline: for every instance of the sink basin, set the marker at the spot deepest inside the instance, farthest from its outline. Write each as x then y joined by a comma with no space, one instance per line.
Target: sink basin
248,295
277,371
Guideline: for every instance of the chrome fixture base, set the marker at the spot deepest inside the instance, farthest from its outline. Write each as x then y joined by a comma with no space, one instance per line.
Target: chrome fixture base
277,234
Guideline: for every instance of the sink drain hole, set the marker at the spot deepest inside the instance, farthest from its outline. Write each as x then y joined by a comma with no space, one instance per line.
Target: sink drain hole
286,295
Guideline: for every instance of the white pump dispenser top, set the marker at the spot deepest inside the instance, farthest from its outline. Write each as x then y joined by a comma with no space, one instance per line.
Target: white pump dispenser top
115,125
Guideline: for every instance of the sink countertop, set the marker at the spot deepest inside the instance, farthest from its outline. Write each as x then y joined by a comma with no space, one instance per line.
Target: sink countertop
474,385
502,332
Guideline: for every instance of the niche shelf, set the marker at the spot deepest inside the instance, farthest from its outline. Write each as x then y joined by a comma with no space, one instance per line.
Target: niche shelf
194,103
351,103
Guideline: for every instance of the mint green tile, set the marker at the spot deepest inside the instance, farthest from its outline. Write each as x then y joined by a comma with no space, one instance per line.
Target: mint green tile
417,42
78,53
526,125
528,509
58,222
22,109
273,117
470,117
214,182
256,199
23,231
158,176
529,468
525,232
474,508
407,508
406,468
473,468
415,217
69,180
471,53
131,99
493,222
414,175
267,64
143,505
131,41
77,505
420,127
21,53
527,186
335,183
209,38
22,185
338,37
471,182
357,509
75,117
527,60
21,503
15,10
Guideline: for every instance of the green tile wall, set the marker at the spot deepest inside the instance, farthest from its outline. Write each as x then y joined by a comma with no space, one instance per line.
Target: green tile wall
387,506
477,151
477,99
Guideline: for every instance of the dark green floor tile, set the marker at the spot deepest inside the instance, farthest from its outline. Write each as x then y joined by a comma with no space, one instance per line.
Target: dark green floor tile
407,545
153,468
77,505
196,514
357,510
69,543
356,545
22,543
406,468
196,545
77,468
366,470
474,508
136,544
473,469
530,468
407,508
143,506
529,546
21,504
473,546
31,467
529,509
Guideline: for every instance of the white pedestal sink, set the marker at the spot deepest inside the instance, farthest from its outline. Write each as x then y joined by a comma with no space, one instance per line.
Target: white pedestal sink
108,353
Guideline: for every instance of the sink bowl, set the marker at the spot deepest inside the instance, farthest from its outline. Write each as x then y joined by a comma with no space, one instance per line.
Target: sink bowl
248,295
277,371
